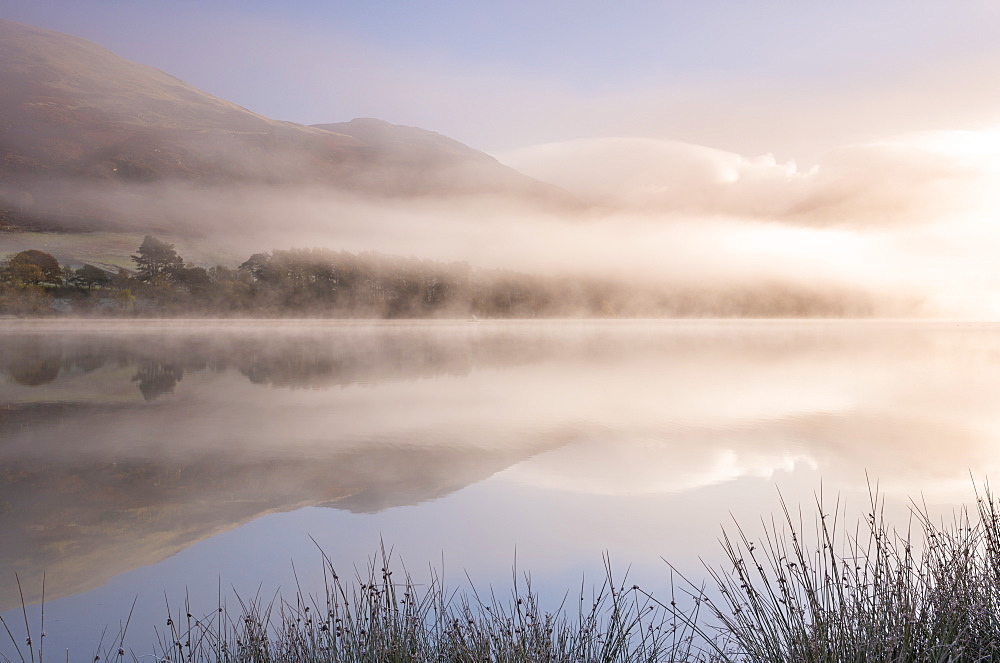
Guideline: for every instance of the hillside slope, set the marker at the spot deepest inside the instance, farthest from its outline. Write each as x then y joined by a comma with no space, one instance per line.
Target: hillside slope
72,111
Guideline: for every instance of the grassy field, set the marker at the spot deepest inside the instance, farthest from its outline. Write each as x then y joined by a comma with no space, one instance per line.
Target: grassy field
109,250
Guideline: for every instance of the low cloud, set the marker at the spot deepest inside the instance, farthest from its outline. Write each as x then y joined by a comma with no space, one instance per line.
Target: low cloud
909,223
910,180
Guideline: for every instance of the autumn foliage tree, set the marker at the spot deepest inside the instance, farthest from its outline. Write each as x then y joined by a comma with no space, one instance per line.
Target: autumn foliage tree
32,267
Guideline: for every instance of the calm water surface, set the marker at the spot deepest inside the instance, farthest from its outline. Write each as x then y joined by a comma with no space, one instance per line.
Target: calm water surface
153,461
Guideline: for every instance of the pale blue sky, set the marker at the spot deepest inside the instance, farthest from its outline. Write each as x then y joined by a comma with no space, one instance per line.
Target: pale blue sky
794,78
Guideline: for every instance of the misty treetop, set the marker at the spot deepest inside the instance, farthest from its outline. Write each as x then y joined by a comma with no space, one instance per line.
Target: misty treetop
327,283
367,284
156,261
90,277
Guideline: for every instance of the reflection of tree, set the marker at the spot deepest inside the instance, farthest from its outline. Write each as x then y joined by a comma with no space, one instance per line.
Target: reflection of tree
289,369
35,373
156,379
343,354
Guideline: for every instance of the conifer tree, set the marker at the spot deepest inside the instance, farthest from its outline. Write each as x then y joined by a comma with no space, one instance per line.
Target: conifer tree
156,260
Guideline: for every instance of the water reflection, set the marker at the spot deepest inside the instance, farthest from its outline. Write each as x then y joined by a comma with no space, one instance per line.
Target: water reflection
121,447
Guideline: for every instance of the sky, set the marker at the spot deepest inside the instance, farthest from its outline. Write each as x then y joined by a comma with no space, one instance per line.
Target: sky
794,79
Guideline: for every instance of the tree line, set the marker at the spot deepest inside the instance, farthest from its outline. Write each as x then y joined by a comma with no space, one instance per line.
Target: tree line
308,281
324,282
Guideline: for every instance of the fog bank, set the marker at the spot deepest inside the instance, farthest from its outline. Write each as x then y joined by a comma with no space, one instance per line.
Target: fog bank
910,221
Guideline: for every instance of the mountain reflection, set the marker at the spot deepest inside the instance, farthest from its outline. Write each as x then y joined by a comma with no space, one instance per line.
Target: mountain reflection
123,444
107,467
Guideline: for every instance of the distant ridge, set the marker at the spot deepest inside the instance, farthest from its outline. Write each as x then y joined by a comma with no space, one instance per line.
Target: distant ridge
427,161
71,110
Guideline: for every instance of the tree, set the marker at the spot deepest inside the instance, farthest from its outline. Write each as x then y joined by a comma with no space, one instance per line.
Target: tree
23,274
156,260
89,276
125,299
23,299
193,279
259,266
33,267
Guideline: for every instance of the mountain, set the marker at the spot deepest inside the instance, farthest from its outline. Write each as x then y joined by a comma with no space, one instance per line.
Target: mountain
421,160
73,112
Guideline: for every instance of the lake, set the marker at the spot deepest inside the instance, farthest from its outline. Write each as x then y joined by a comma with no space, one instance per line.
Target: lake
164,461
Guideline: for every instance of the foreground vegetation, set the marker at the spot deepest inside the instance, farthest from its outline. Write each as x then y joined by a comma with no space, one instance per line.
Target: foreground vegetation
321,282
821,591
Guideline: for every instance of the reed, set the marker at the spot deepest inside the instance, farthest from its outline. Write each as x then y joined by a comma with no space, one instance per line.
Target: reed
383,615
813,590
811,587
